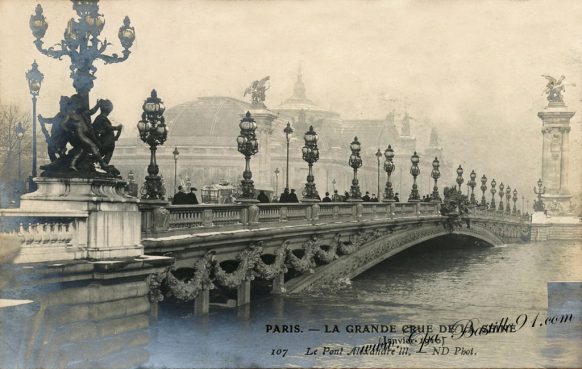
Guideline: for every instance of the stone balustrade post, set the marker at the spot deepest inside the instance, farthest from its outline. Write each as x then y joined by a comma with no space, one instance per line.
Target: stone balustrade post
253,215
359,210
335,212
308,213
278,284
207,218
243,293
283,214
244,216
202,303
314,213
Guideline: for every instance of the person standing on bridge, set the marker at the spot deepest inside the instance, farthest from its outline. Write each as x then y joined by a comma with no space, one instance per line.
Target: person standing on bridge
366,197
179,197
191,197
336,197
263,198
326,198
284,198
293,197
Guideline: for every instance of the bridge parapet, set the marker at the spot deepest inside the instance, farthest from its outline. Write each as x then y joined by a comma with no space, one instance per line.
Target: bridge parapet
190,219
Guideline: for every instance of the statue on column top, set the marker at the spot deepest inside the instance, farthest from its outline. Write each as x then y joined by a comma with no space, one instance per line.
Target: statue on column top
555,88
257,90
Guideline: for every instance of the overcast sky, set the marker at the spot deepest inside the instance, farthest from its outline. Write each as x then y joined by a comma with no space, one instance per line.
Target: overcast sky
471,68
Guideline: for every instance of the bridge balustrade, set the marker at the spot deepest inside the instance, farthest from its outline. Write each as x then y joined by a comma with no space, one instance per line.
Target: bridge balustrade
183,219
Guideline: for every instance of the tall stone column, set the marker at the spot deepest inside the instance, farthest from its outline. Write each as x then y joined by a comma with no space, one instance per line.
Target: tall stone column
264,119
555,157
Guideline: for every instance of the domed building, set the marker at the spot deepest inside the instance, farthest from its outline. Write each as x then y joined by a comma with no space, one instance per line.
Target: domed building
204,131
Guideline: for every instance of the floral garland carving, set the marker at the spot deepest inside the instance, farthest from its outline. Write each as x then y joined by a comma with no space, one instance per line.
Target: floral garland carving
270,271
331,254
305,263
188,291
154,282
248,259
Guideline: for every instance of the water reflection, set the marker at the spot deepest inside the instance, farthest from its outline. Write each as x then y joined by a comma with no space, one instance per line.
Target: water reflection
107,324
74,325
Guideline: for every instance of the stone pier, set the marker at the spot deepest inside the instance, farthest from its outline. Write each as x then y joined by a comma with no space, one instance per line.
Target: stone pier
556,157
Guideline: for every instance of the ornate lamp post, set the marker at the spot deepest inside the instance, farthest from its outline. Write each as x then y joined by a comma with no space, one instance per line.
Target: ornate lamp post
288,131
507,199
378,156
81,43
539,205
34,77
460,179
501,194
277,181
176,154
310,155
414,171
19,137
435,174
333,182
483,189
153,131
493,190
514,212
248,145
389,168
472,183
355,162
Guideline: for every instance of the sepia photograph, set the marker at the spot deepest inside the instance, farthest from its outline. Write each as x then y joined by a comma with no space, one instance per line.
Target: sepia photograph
290,184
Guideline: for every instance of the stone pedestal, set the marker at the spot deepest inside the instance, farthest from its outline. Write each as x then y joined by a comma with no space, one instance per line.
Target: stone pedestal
243,293
555,158
112,224
202,303
264,119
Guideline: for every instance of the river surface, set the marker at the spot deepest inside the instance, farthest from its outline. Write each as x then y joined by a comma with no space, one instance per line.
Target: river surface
438,283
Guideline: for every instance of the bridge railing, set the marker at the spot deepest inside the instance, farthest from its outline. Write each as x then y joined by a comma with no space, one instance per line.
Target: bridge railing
45,235
494,213
186,219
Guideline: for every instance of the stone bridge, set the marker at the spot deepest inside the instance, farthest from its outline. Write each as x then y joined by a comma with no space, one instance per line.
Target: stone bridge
298,246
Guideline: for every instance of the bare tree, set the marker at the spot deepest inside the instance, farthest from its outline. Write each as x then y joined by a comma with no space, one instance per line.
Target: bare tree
10,184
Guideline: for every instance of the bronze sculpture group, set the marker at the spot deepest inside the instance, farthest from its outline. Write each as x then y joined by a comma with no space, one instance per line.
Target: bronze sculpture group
75,144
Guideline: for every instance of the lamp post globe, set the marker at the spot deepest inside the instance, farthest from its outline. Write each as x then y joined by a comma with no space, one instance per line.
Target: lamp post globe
414,171
277,171
176,155
310,155
355,162
81,43
34,78
288,130
514,211
248,145
501,194
379,154
483,189
154,132
435,174
493,190
460,179
507,199
19,136
472,183
389,169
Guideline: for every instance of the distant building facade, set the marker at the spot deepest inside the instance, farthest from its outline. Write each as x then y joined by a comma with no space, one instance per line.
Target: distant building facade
205,131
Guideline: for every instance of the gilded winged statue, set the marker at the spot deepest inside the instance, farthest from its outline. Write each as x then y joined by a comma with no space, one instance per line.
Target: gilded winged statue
555,88
257,90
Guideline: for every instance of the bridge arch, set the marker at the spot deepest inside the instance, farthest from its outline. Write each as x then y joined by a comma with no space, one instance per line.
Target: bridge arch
375,251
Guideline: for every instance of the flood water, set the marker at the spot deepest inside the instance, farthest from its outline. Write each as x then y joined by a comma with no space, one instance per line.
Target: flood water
438,283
